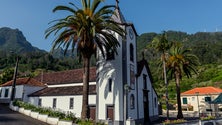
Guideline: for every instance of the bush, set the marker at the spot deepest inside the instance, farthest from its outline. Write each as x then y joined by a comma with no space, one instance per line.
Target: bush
88,122
208,118
166,122
69,116
58,114
18,103
48,111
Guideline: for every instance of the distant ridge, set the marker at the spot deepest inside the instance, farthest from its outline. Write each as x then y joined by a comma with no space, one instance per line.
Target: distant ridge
14,40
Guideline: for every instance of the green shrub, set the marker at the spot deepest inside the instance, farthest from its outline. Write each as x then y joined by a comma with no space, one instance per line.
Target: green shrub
18,103
166,122
58,114
208,118
44,110
70,117
48,111
88,122
28,106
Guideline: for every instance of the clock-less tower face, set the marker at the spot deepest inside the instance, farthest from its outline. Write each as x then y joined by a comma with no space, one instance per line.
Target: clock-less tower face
131,34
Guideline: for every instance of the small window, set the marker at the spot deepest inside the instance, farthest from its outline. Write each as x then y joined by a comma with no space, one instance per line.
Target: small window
40,102
54,103
131,53
110,84
71,102
207,99
184,100
193,98
6,92
110,55
132,102
144,82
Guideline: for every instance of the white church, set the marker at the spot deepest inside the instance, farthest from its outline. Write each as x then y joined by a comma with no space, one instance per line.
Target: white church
120,86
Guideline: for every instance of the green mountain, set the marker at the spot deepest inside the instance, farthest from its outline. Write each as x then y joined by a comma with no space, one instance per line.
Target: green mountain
31,58
14,40
206,45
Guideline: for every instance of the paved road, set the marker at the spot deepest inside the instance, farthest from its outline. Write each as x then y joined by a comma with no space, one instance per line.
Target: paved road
9,117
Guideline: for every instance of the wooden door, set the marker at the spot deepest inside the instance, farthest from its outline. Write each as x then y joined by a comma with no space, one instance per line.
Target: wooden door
110,112
92,112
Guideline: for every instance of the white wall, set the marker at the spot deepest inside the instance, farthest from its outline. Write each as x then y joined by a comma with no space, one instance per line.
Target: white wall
110,69
63,102
153,109
18,92
193,101
21,91
28,90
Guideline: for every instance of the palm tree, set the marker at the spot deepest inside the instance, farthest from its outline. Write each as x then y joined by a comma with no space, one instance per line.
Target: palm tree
86,29
179,62
162,45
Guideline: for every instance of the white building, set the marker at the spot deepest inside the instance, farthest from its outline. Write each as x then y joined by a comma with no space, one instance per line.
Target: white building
120,86
198,99
24,87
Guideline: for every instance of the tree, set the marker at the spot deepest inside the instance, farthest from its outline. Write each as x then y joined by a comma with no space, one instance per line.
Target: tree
179,62
162,45
6,75
86,29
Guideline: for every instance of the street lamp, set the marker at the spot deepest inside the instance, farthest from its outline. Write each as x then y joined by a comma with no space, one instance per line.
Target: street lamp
197,93
14,79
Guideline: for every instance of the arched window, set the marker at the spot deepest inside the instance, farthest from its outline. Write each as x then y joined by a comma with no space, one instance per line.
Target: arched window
110,55
110,81
132,101
131,52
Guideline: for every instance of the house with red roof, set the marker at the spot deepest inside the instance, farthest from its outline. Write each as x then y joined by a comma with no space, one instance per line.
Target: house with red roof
198,99
64,91
24,87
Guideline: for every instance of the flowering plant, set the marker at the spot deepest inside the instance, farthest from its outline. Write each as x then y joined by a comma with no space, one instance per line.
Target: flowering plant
207,118
166,122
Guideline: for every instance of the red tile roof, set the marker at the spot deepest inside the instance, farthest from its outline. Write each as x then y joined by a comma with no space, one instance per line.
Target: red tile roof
61,91
203,90
24,81
64,77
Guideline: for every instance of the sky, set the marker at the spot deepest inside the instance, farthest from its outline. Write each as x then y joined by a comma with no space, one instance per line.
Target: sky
191,16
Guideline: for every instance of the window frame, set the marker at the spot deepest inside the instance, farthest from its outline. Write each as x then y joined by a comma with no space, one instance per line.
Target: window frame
110,83
144,81
185,100
71,103
131,52
132,101
207,99
54,103
110,55
6,94
40,102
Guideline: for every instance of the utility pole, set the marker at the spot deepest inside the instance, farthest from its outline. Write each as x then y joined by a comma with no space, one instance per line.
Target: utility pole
14,80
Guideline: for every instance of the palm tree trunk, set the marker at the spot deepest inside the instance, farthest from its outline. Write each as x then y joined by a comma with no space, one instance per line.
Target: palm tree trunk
85,104
179,107
165,81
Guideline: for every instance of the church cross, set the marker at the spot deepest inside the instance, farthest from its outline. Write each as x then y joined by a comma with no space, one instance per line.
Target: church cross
117,3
